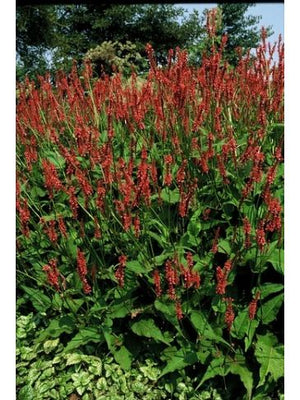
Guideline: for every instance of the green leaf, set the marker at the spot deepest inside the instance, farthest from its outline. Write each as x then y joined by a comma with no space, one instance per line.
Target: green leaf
187,240
276,258
170,196
84,336
268,311
269,288
147,328
124,358
55,158
168,311
81,381
216,367
50,345
73,359
270,355
239,367
244,327
57,327
179,360
36,191
57,301
136,267
250,333
160,239
39,300
194,226
120,310
73,304
158,260
204,329
224,247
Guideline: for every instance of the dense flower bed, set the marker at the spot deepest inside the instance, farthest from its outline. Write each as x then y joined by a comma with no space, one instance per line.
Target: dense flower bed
150,216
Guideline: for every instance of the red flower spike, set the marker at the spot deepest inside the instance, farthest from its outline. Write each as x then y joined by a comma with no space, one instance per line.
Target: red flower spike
221,277
51,178
82,271
52,274
214,249
229,313
247,232
157,283
253,306
260,236
178,308
62,227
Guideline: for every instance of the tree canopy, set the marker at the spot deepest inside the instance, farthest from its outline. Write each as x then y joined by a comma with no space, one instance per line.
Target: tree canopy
52,36
242,30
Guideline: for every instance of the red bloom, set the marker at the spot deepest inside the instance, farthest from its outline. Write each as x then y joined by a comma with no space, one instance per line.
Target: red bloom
73,201
247,231
229,314
51,231
97,233
120,272
260,236
62,227
82,271
52,274
137,226
215,242
179,313
253,306
206,213
221,276
51,178
157,283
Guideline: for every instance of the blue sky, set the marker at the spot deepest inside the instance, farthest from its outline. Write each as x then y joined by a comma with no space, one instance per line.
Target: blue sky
271,13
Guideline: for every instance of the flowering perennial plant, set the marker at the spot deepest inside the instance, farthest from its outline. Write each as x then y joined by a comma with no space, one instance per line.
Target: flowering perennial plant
164,197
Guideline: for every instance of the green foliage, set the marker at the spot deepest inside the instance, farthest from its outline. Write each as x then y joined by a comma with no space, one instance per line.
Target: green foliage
46,372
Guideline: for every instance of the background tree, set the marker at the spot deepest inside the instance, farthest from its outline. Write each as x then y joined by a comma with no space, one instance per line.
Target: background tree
35,37
75,29
242,30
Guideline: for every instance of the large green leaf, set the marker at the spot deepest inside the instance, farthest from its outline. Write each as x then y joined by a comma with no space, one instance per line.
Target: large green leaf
170,196
39,300
250,333
84,336
65,324
268,311
276,258
270,355
241,324
216,367
179,360
136,267
238,367
204,329
168,311
147,328
269,288
194,226
123,357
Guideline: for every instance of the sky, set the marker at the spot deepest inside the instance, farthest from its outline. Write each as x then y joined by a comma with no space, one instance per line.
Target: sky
271,13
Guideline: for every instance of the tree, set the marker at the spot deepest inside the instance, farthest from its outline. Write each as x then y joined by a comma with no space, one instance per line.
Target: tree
75,29
35,36
242,30
230,19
